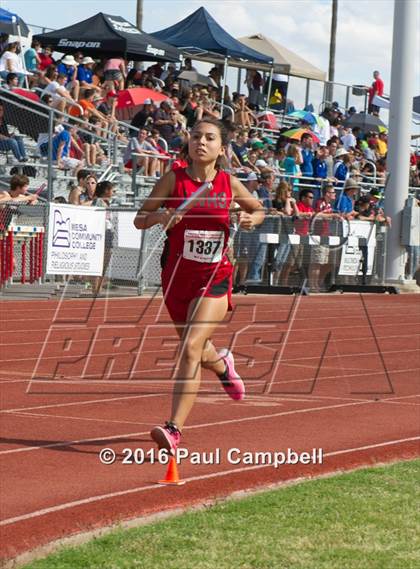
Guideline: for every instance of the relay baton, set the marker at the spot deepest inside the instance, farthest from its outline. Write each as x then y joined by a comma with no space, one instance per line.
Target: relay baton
190,202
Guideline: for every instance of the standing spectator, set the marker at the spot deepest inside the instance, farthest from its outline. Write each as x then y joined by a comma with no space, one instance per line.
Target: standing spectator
77,191
264,192
345,203
301,227
332,149
307,155
292,164
320,254
8,142
377,88
284,204
382,144
115,73
164,122
342,165
68,67
102,198
32,59
348,139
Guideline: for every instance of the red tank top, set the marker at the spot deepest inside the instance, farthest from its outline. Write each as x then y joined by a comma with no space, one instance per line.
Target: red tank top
201,237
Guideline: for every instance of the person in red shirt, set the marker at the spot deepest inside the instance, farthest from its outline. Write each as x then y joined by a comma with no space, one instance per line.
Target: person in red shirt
377,88
46,59
196,271
301,227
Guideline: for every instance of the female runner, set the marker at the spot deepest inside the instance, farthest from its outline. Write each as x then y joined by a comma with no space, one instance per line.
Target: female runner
196,273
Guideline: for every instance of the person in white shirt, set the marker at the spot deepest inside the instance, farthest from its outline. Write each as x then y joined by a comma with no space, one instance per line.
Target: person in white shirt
59,94
10,62
348,139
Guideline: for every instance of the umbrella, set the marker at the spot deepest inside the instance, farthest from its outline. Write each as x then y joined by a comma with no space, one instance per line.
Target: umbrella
308,117
197,78
296,134
365,122
137,96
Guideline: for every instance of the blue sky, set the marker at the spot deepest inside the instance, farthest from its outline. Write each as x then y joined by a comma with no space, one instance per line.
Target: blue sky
364,35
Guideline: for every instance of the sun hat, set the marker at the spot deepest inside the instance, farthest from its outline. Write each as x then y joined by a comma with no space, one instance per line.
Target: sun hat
69,60
252,177
341,152
87,60
351,184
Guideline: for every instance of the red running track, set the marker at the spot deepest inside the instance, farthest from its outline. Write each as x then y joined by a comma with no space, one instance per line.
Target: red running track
333,372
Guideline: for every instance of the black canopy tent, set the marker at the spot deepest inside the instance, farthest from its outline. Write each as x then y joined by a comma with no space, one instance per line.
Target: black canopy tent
200,36
105,35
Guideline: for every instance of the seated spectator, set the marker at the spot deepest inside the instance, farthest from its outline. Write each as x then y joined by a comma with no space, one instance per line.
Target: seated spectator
77,191
345,203
382,145
144,116
8,142
349,139
45,58
59,94
85,74
12,82
61,144
10,62
89,109
370,151
148,161
68,67
18,191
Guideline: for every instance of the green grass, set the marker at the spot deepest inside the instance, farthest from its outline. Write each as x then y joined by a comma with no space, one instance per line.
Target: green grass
366,519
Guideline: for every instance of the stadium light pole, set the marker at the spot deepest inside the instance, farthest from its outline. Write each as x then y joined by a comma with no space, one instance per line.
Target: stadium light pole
402,85
139,15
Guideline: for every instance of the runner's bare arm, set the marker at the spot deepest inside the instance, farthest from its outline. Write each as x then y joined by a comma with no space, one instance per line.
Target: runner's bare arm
148,215
253,213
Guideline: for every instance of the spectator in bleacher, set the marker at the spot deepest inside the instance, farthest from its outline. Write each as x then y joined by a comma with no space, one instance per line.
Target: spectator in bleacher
144,116
292,164
61,144
102,198
12,81
320,254
377,88
164,122
332,149
32,59
320,167
93,153
9,142
45,57
148,162
85,74
284,204
68,67
10,62
382,144
77,191
115,73
349,139
296,257
307,155
89,109
18,191
370,151
342,165
264,192
4,42
345,203
58,92
88,195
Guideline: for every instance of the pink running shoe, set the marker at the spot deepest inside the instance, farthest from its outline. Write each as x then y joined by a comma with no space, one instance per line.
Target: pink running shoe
167,437
232,383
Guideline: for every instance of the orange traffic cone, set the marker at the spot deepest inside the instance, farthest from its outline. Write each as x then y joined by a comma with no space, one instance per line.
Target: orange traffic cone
172,476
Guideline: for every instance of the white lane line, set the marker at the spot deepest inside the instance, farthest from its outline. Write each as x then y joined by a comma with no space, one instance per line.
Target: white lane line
104,420
191,427
75,503
142,383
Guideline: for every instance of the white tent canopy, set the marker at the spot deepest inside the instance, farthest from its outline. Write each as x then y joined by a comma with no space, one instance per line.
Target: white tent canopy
285,61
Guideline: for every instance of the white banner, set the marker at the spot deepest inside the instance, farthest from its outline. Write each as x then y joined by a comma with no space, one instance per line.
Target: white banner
351,254
76,240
